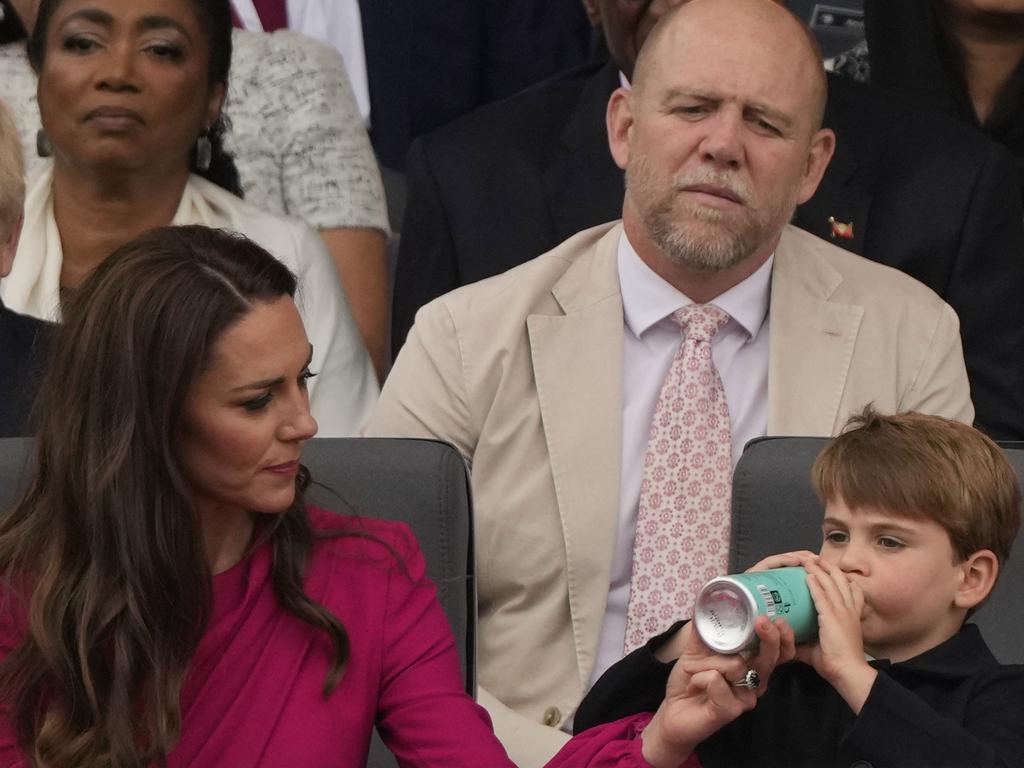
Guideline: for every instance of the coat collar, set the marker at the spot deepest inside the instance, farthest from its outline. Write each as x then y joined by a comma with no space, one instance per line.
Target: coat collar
963,655
812,339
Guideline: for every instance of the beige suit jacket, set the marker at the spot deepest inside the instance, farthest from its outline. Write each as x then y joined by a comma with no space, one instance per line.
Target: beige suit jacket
523,373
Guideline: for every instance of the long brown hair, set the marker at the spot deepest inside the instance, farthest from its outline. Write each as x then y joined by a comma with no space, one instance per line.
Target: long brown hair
104,547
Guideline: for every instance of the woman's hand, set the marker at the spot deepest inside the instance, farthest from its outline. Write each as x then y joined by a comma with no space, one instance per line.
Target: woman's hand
838,654
700,696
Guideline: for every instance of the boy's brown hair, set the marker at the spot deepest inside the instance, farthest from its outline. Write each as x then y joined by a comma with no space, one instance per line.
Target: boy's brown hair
919,466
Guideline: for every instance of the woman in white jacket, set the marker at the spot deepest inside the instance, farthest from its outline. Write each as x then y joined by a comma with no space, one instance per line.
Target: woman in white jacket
130,93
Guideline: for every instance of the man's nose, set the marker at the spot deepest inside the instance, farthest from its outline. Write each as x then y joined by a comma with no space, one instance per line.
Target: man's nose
723,140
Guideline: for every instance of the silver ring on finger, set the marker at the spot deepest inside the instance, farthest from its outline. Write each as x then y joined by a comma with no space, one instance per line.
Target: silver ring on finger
750,680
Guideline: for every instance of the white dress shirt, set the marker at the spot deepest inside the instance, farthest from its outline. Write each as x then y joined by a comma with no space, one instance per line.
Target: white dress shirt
650,343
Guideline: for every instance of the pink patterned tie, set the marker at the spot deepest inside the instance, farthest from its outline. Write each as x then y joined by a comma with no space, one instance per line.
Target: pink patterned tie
682,525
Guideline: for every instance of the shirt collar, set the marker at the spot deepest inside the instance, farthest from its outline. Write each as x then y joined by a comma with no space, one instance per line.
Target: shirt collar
647,298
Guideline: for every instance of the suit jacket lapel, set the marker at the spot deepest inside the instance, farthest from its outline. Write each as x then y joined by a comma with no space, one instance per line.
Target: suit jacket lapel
811,343
582,184
577,360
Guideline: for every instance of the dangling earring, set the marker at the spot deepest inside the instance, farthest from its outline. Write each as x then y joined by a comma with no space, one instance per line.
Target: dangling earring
204,152
43,146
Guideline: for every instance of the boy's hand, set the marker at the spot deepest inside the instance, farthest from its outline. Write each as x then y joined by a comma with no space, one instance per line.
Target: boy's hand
838,654
785,560
700,696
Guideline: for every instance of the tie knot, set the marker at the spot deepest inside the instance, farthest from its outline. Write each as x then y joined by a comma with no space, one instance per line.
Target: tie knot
700,321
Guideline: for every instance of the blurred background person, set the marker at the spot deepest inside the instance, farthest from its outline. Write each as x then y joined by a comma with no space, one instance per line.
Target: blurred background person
431,62
961,57
130,95
21,337
293,129
336,22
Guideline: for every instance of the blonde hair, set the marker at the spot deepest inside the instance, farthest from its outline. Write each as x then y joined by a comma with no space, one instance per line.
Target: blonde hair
917,466
12,173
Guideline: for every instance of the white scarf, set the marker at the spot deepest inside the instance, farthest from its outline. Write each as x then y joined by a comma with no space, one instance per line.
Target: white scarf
33,286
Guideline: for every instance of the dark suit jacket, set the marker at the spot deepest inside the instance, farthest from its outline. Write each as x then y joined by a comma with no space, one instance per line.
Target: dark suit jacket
950,707
926,195
22,342
10,27
431,61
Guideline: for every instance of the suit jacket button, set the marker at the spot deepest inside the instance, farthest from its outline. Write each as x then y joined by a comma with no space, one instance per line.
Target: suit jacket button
861,764
552,716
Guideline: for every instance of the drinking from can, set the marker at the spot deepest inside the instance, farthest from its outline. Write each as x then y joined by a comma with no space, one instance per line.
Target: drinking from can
727,607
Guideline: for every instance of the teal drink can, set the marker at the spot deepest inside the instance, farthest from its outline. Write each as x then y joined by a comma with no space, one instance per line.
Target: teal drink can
728,606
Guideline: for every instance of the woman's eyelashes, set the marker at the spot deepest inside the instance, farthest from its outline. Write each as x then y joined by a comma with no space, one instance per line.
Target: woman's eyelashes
168,51
258,403
82,43
261,402
79,44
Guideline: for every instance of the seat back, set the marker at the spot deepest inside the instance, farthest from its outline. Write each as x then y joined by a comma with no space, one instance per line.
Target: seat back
424,483
774,509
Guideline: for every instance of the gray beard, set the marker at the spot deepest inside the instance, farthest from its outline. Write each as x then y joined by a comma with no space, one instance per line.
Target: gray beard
709,254
714,252
712,243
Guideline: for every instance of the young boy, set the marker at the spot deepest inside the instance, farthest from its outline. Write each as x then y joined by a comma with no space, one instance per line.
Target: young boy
920,515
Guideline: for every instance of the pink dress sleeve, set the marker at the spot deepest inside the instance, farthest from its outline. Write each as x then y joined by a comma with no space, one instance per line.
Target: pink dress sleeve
612,745
424,715
12,629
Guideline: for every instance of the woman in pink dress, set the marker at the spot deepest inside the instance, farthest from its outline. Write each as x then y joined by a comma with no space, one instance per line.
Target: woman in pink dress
169,598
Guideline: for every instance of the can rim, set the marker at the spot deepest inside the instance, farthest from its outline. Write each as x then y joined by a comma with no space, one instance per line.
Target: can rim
738,589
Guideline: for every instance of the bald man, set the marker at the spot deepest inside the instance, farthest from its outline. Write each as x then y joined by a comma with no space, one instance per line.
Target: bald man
909,188
547,377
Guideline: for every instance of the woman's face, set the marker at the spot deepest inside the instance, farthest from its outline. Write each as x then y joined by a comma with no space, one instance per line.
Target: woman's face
124,84
247,416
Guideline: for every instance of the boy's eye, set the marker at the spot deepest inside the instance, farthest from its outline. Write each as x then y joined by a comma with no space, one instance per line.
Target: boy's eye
304,378
888,542
836,537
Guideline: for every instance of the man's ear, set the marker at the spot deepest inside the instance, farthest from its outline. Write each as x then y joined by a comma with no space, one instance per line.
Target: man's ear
823,146
619,122
593,12
978,575
9,247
